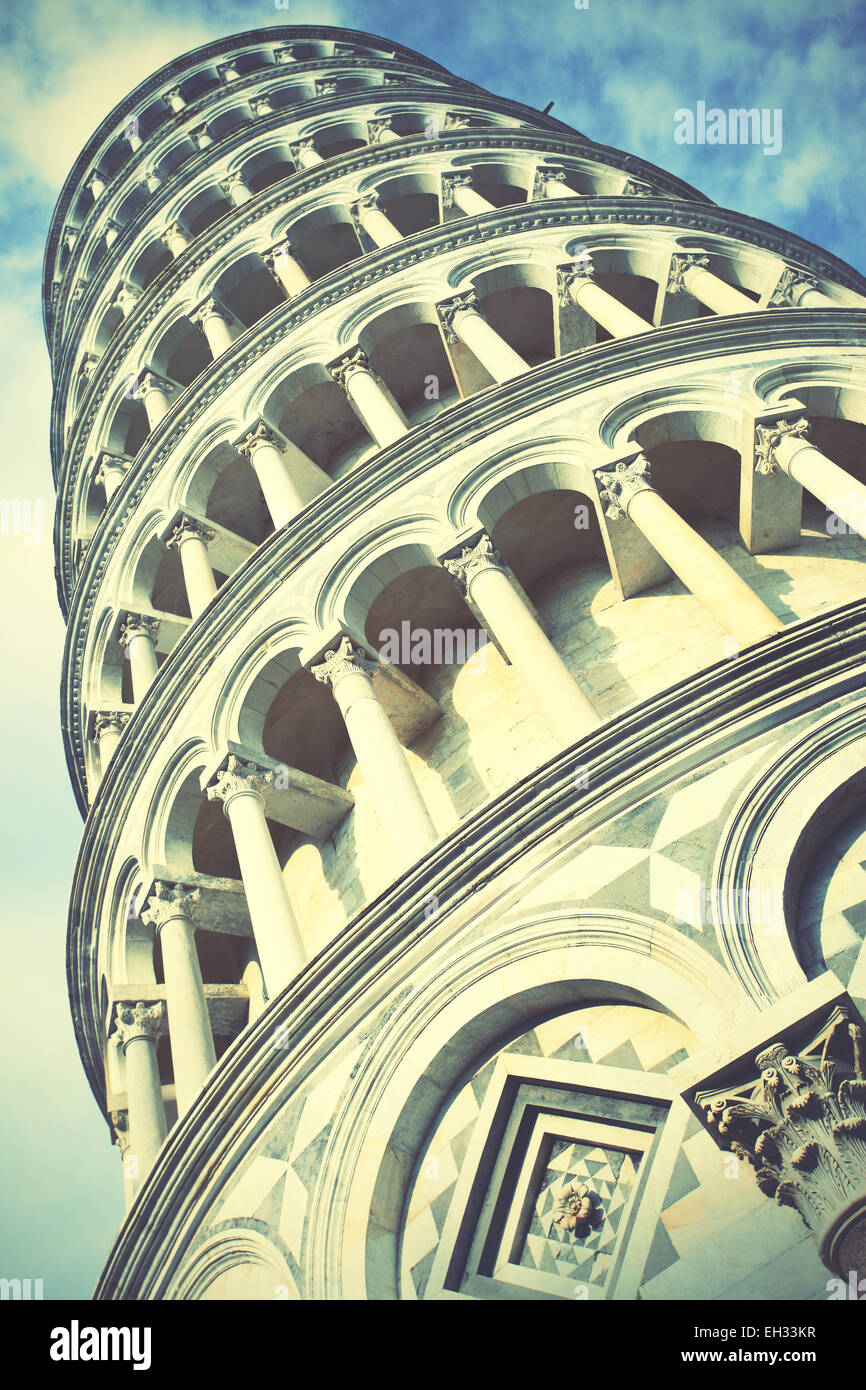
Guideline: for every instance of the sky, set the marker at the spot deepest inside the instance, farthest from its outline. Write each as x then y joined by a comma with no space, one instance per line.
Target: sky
618,71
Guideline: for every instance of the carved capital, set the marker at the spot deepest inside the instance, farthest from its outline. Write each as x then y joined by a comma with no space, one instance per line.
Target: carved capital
545,174
227,72
678,267
175,229
261,106
285,55
356,360
109,721
790,288
452,181
259,434
126,297
448,309
149,381
769,437
376,127
472,560
800,1122
326,86
368,202
300,146
232,182
133,1021
186,529
345,660
635,188
621,482
169,900
110,463
137,625
238,779
577,272
210,309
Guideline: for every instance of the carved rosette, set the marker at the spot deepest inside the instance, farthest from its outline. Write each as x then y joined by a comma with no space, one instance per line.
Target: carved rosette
138,625
621,482
238,779
802,1128
678,267
345,660
134,1021
768,438
169,900
448,309
578,1210
790,287
472,560
452,181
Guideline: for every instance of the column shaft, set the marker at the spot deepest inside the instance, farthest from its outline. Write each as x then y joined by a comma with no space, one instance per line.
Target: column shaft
715,293
380,416
197,573
192,1046
278,940
606,309
837,489
492,351
146,1107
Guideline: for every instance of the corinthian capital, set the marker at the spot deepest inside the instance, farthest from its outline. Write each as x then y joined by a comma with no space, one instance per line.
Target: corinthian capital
622,481
169,900
210,309
452,181
472,560
111,721
448,309
238,779
326,86
355,360
790,288
186,529
634,188
769,437
799,1121
376,127
138,625
134,1021
255,437
345,660
679,265
575,273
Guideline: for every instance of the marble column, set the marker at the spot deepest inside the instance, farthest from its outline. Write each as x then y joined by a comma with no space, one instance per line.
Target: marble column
286,269
96,183
175,99
463,322
126,299
138,636
278,939
399,804
190,538
559,699
236,189
170,913
108,725
220,328
176,238
368,214
384,421
123,1144
687,274
137,1028
798,290
577,286
261,106
305,154
550,182
628,491
110,472
201,136
153,391
783,446
457,191
379,131
268,454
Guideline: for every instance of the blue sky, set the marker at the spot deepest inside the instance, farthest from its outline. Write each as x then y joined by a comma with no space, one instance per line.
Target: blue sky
617,70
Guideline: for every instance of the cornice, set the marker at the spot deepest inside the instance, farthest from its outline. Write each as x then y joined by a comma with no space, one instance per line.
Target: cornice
638,752
171,72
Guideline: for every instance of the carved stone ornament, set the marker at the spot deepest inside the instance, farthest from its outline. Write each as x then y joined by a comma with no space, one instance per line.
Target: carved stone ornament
135,1021
237,779
356,360
802,1127
448,309
678,268
622,481
768,437
188,528
575,273
255,437
452,181
578,1210
345,660
472,560
138,625
788,290
169,900
109,721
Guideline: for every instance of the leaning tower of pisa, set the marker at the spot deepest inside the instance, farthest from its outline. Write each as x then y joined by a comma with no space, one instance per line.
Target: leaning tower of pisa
460,534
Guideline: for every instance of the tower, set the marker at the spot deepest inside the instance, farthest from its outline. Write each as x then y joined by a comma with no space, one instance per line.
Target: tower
460,531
